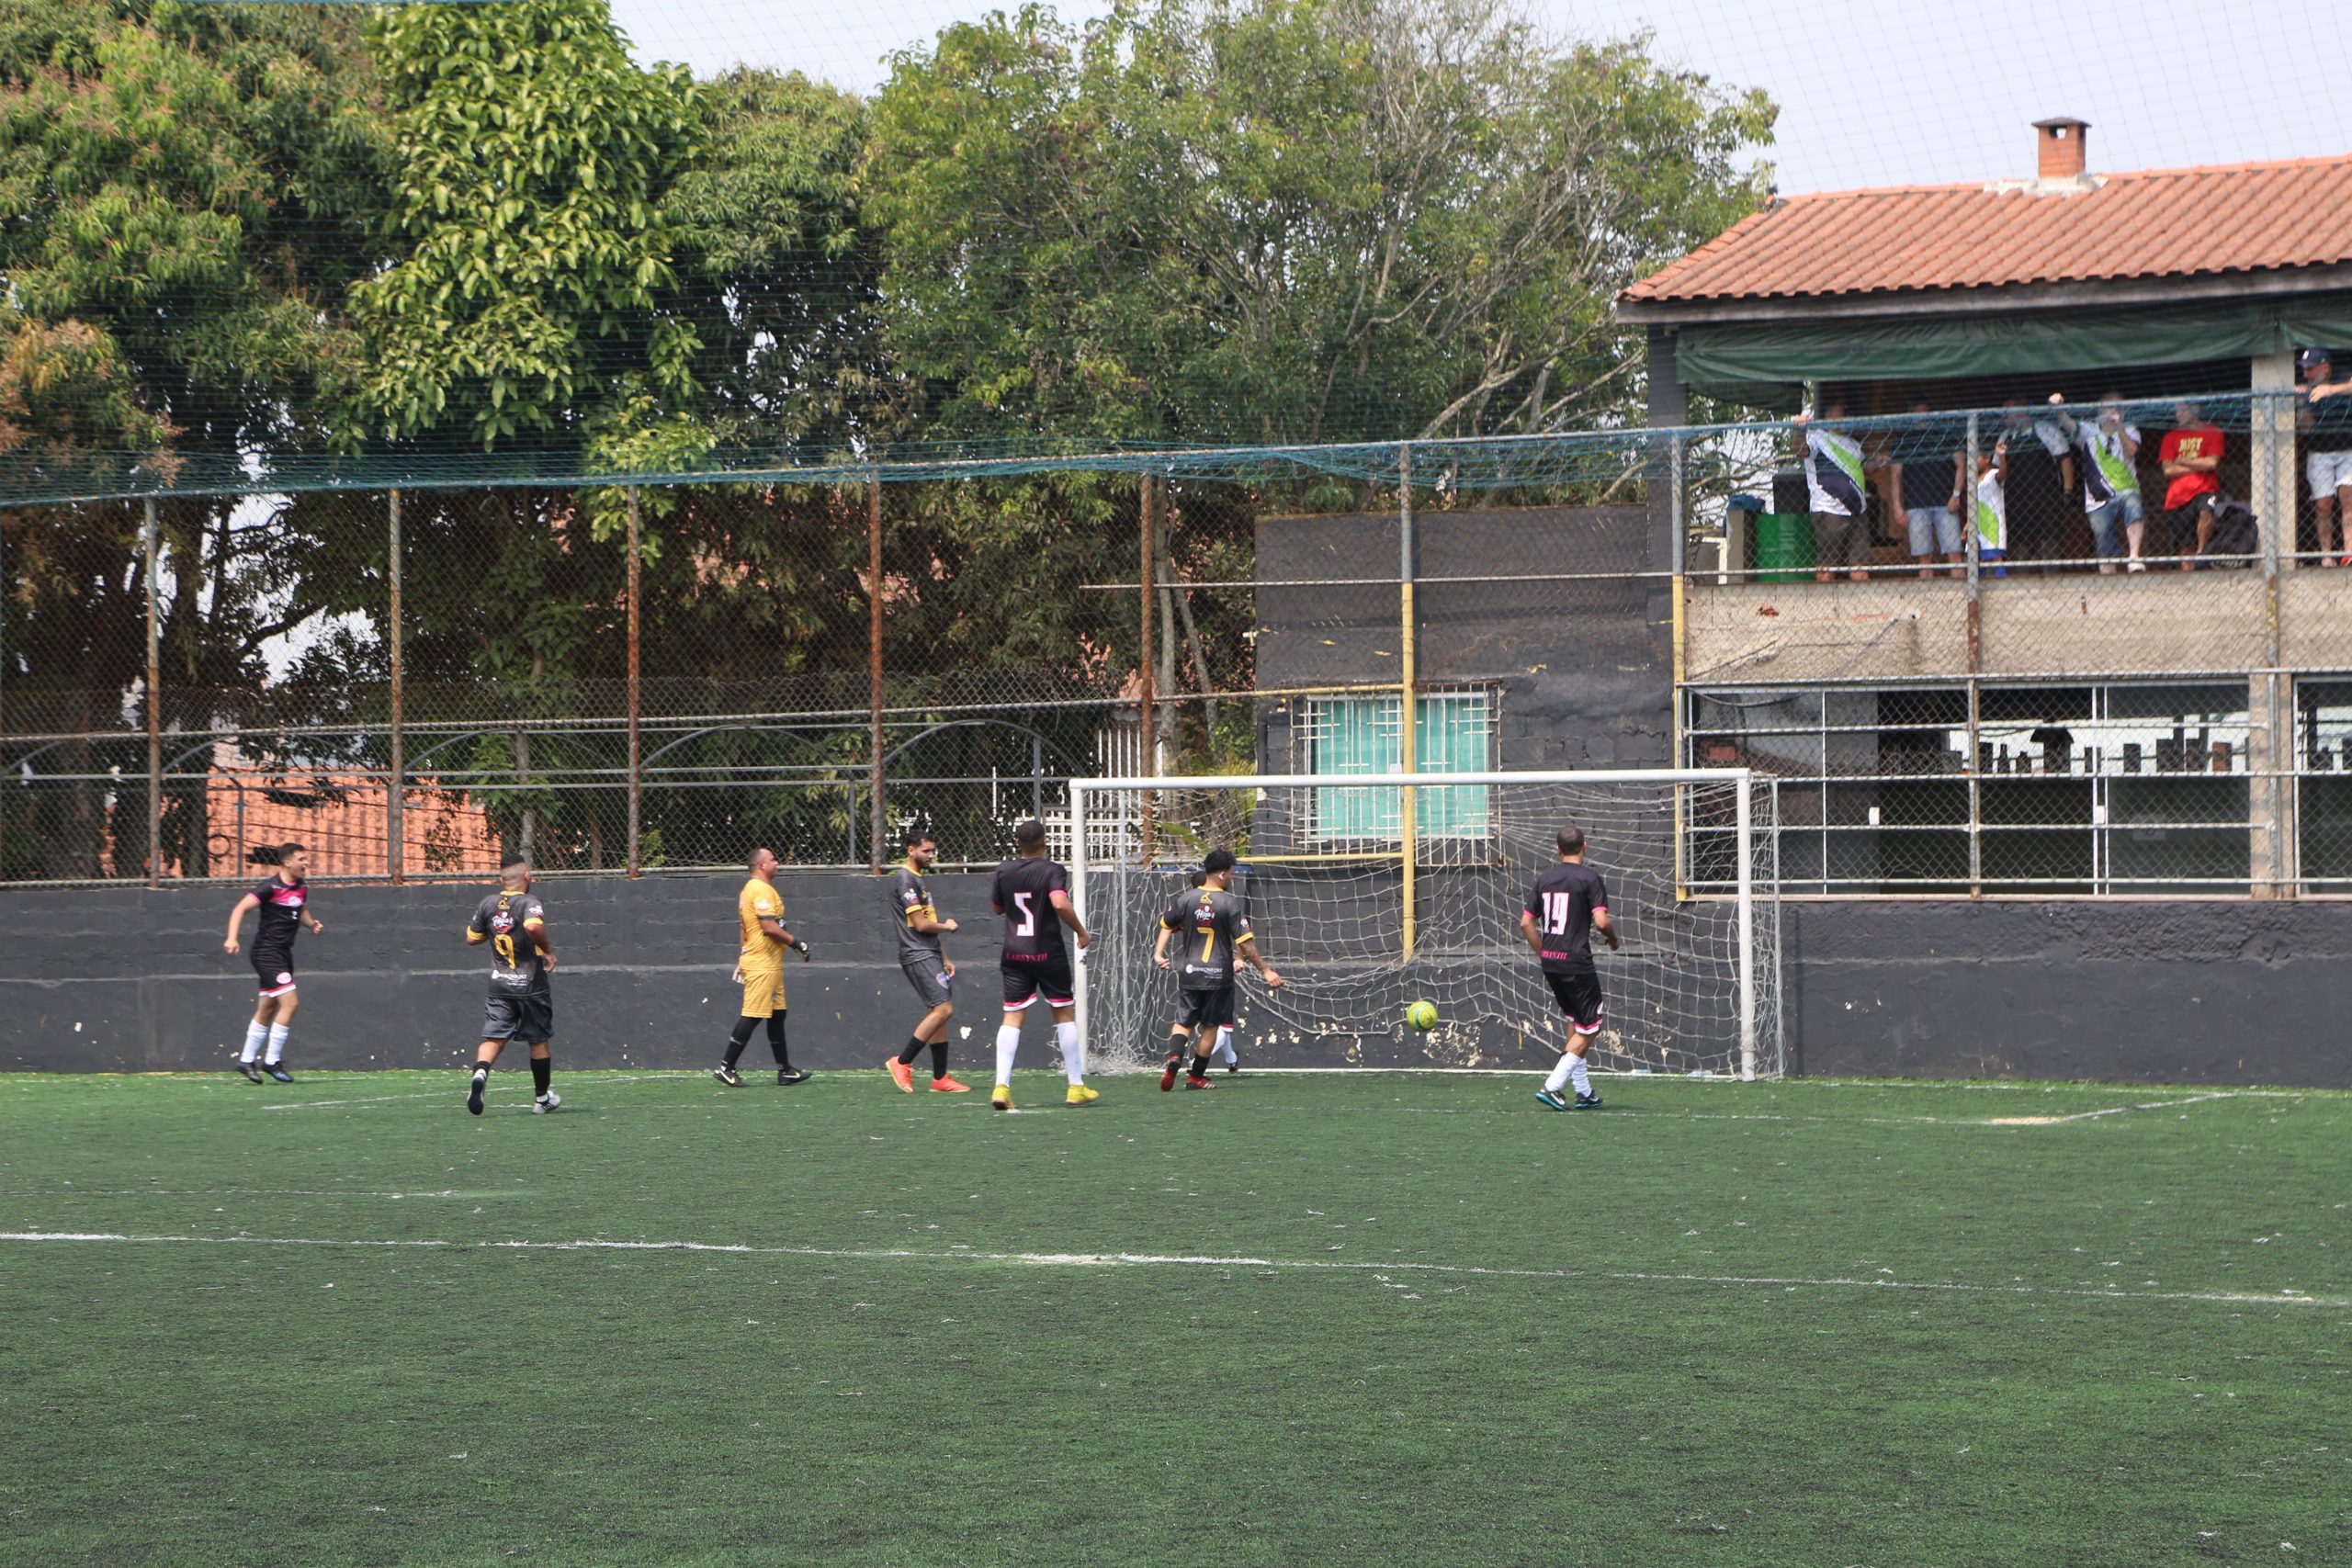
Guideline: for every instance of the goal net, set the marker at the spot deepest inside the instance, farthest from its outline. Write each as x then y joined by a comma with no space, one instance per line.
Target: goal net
1373,894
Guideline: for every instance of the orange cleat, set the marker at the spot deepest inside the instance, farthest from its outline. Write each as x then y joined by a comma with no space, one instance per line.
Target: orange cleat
949,1086
901,1075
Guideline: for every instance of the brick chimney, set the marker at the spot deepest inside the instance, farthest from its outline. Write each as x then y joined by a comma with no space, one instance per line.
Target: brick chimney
2059,151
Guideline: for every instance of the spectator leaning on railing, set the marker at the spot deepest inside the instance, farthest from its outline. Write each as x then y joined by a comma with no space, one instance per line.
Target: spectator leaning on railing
2040,483
1992,509
2327,454
2110,479
2190,453
1834,480
1930,492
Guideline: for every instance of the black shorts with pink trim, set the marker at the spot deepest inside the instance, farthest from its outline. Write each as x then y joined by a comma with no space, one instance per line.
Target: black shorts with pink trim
1026,979
1578,994
274,967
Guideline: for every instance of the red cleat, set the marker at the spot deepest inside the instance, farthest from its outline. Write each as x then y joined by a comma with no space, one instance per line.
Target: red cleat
1168,1079
901,1075
1198,1083
949,1086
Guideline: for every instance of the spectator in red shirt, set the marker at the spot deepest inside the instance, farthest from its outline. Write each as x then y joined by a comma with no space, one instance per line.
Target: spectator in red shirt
2190,453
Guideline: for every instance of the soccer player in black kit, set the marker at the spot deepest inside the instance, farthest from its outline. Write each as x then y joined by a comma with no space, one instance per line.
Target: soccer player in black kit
1567,904
521,1002
1214,917
285,905
1033,894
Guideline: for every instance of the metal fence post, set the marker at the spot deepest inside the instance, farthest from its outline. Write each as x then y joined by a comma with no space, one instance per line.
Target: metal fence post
636,747
395,801
1148,692
1407,747
154,708
1970,542
873,660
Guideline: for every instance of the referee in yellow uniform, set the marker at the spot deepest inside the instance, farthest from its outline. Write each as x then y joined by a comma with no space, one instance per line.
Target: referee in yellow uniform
759,968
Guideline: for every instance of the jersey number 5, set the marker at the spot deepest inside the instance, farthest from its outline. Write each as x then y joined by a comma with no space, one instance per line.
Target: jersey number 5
1555,913
1028,926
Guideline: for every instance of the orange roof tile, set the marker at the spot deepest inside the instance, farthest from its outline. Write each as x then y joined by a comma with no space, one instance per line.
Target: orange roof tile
2202,222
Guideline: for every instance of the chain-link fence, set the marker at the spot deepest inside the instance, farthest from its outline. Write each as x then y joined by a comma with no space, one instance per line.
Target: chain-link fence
2021,683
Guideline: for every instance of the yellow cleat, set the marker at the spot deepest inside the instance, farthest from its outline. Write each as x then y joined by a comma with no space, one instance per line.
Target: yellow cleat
1079,1094
1003,1098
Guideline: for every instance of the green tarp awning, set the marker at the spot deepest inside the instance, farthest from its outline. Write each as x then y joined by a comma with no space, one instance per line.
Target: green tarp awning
1759,362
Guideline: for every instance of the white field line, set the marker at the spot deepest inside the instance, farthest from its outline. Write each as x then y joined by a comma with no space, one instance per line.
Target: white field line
1180,1260
230,1193
1643,1113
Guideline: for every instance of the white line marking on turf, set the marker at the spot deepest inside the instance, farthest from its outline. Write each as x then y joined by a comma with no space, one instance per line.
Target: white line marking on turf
1156,1260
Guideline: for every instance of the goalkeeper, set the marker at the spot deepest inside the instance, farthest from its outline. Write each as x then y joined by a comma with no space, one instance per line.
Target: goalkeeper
759,969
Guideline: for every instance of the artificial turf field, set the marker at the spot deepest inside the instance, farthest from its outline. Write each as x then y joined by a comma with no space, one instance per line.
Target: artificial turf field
1390,1318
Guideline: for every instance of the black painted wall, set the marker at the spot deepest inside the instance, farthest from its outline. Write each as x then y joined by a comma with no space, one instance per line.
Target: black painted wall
131,980
127,980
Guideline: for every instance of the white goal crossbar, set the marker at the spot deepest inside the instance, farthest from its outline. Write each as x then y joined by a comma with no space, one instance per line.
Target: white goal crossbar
1407,849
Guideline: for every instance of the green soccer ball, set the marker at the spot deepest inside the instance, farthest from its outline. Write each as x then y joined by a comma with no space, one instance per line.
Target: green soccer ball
1422,1016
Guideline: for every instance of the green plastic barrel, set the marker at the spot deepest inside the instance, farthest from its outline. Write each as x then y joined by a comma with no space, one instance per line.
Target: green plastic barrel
1783,546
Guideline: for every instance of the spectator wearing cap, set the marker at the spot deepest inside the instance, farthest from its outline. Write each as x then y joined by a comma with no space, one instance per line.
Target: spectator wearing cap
2110,446
2190,455
2327,453
1834,479
1931,493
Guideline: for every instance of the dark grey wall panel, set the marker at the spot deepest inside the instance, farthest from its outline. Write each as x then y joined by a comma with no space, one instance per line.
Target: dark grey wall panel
2186,992
130,980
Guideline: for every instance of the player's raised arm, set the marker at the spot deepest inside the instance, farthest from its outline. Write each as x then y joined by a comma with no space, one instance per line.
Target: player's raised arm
236,923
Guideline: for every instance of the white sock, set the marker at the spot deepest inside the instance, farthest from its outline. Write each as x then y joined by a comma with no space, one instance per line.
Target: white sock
1008,1045
1073,1053
255,1032
277,1033
1577,1076
1559,1078
1225,1044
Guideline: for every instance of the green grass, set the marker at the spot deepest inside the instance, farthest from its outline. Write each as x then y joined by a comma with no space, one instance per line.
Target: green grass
1397,1319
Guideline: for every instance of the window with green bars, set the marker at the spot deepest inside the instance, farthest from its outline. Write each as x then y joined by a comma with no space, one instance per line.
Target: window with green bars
1453,733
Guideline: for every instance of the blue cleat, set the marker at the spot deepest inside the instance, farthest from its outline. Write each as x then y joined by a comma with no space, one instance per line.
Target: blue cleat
1549,1101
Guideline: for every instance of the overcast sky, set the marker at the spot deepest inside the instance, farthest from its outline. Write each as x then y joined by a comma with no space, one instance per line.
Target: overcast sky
1895,92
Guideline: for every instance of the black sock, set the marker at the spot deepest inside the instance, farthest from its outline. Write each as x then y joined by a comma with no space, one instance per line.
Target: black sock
775,1042
481,1069
1179,1046
1200,1066
913,1049
542,1069
939,1058
740,1038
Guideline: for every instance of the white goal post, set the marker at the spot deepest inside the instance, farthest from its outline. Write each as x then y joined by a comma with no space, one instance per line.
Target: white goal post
1372,891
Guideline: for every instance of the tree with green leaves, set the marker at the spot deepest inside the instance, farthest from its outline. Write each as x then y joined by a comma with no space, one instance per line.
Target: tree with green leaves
1286,220
189,190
